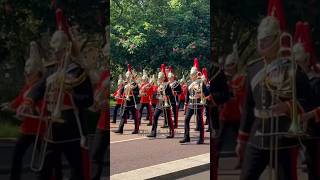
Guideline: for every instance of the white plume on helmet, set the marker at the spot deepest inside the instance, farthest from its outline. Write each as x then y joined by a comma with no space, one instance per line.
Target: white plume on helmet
299,53
152,79
33,63
59,40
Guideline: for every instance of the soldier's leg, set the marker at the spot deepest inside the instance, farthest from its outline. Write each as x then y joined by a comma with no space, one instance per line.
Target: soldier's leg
200,124
136,121
174,110
149,115
143,105
255,161
311,158
123,120
115,113
72,152
22,144
99,150
287,164
170,122
155,123
49,162
187,126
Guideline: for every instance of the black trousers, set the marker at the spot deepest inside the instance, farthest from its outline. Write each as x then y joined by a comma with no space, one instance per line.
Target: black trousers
256,160
22,145
175,113
313,158
223,130
72,152
124,118
115,112
99,149
149,111
167,116
199,121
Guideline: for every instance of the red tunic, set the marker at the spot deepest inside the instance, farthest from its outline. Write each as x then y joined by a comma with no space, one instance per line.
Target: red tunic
28,125
231,110
184,91
148,93
118,97
104,118
154,99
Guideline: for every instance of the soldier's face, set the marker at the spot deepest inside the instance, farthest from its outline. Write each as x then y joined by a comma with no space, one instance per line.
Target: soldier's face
161,80
171,79
268,45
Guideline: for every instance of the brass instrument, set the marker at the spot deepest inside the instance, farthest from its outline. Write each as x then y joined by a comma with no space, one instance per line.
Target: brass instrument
53,97
162,88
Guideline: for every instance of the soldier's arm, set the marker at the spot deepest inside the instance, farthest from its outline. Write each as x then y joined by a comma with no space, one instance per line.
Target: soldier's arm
247,117
179,89
83,94
305,100
37,92
219,89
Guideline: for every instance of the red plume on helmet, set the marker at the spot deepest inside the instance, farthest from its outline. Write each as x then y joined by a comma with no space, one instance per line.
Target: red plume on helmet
171,69
298,35
275,9
205,73
62,22
163,70
196,64
129,68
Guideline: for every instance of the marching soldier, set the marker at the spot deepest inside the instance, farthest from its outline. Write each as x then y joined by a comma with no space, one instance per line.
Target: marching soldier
154,88
119,99
197,92
204,78
268,103
100,144
165,96
176,91
68,84
29,126
145,95
230,112
303,55
130,94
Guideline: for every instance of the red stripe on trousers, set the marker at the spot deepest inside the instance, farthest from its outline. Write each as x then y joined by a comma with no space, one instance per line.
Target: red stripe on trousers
294,156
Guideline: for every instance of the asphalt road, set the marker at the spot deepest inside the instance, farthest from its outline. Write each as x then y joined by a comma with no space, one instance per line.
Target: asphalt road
130,152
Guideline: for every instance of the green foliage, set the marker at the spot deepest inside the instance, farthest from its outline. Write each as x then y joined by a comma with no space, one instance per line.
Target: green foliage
147,33
237,21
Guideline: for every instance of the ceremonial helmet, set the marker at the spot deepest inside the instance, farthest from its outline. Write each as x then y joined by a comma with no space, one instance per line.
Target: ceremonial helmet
232,59
152,79
302,48
170,74
144,75
195,70
120,80
268,34
183,79
33,63
60,38
129,72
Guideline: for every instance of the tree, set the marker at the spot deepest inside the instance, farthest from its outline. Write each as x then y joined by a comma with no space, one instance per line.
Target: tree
147,33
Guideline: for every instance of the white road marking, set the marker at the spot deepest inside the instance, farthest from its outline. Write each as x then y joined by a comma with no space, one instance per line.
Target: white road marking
164,168
126,140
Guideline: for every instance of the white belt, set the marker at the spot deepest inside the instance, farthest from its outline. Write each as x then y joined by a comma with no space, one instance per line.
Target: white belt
265,114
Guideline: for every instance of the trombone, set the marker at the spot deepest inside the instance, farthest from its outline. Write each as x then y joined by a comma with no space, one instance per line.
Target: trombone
55,85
